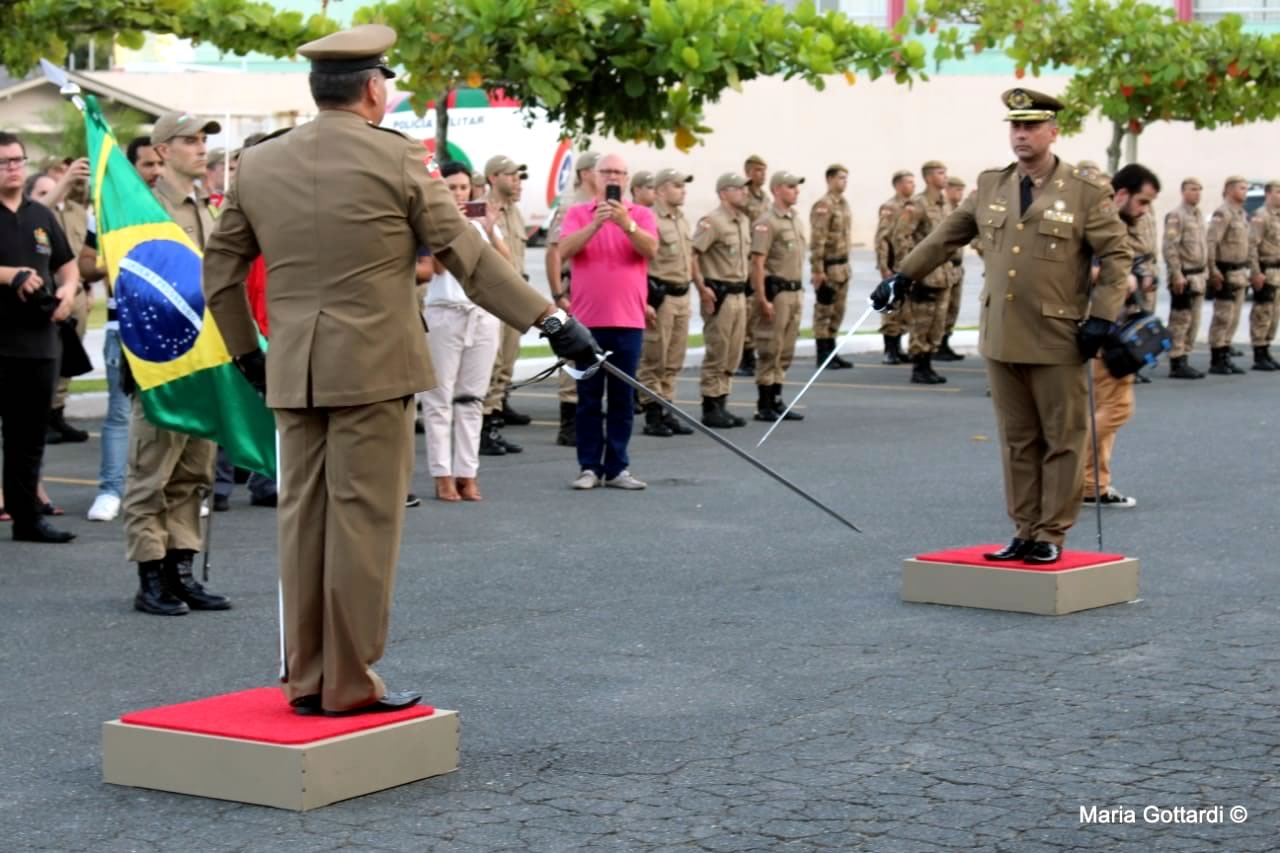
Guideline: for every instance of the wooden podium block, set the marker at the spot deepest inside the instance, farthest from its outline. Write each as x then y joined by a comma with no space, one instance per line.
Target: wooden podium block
251,748
1081,580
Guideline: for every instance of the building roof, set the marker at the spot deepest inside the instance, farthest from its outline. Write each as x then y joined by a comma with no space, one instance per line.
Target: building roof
214,93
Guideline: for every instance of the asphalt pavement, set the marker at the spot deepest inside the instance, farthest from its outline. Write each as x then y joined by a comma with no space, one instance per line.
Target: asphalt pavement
713,664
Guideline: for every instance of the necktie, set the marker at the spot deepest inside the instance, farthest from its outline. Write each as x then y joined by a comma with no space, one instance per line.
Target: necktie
1025,191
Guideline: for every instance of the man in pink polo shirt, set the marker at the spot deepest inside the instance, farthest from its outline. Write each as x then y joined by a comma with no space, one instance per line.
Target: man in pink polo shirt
610,242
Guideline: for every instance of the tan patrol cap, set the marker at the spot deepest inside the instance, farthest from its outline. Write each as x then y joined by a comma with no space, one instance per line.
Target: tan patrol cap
478,179
755,160
1029,105
642,180
836,168
1234,179
1192,182
779,179
1272,185
903,173
671,176
216,157
171,125
953,181
729,180
586,160
930,165
504,165
357,49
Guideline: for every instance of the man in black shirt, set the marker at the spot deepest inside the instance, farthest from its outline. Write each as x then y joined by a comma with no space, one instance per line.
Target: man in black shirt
34,254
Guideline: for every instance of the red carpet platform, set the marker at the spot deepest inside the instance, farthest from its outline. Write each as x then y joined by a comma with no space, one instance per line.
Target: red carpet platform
251,747
1080,580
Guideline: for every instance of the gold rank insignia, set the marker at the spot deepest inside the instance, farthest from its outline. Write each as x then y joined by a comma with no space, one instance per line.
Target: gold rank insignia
1019,100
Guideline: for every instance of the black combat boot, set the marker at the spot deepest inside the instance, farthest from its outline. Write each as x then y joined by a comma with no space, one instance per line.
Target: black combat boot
491,443
674,424
714,416
60,431
1275,364
747,366
764,403
779,407
822,348
1234,351
568,434
1235,368
922,372
653,423
153,596
840,362
946,353
892,349
181,582
510,417
723,402
1262,359
1180,369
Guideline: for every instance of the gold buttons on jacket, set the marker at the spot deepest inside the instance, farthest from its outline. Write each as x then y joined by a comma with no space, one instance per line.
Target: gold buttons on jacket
1013,273
1019,226
1053,245
1008,297
1017,250
1062,311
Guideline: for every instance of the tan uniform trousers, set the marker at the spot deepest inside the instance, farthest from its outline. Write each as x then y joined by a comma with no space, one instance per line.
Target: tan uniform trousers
928,321
1042,411
1184,323
662,357
1147,299
776,340
344,473
1262,316
168,476
953,299
752,322
827,318
897,323
1113,407
503,366
723,333
1226,312
80,311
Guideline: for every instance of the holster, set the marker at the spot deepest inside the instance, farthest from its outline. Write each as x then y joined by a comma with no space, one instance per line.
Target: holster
1183,301
771,288
657,293
826,294
718,289
1264,296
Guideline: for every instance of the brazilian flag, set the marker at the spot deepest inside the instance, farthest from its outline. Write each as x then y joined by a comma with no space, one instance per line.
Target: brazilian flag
185,377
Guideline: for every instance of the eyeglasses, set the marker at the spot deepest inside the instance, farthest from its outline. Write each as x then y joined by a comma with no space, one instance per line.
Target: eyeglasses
12,163
620,173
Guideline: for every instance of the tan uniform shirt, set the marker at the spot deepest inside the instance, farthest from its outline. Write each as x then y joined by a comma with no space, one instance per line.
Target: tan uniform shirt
1185,247
338,207
723,242
1142,240
514,231
74,219
675,251
553,230
1264,242
758,203
1228,236
915,220
831,227
779,236
1036,288
192,213
888,215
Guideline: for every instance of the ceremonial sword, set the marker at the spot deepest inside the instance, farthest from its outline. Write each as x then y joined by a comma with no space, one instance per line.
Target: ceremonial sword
614,371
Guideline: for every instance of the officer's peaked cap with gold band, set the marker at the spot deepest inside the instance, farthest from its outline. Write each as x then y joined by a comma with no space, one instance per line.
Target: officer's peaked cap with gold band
1027,105
357,49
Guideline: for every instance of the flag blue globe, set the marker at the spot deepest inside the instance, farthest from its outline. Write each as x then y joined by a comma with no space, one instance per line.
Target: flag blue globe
160,302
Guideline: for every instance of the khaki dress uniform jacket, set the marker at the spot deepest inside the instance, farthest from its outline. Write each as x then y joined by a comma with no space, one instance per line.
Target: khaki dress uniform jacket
1186,253
1036,291
168,473
667,340
831,235
338,208
722,243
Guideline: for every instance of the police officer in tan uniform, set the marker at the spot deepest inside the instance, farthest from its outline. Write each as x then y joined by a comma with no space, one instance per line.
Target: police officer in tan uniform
721,248
778,249
1041,222
954,194
831,227
917,218
1185,257
1264,275
1149,287
757,202
644,190
584,189
894,325
505,178
170,473
1228,262
666,339
348,352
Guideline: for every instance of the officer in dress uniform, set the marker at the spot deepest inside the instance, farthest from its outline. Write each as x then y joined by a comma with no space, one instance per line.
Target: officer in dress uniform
1185,256
1228,262
348,351
1041,222
1264,270
778,249
831,227
894,325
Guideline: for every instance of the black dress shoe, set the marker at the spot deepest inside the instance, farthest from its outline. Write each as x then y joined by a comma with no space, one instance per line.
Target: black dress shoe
270,500
221,503
390,702
307,706
1043,553
40,531
1015,550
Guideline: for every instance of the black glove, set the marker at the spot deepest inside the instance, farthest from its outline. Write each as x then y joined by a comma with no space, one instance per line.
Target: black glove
570,340
1093,334
890,293
253,367
826,294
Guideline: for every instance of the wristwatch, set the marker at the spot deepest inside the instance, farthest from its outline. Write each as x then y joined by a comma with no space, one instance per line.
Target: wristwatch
554,322
631,227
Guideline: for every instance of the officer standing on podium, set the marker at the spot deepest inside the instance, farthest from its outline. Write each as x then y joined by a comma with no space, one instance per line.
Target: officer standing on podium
1040,222
348,351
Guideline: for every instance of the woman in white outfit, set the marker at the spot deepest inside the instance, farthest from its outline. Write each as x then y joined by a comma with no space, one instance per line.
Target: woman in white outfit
463,339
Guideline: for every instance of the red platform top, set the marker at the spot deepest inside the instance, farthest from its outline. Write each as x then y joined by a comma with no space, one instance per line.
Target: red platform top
262,714
972,556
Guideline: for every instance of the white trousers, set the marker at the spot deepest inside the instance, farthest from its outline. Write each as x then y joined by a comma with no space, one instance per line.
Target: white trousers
463,344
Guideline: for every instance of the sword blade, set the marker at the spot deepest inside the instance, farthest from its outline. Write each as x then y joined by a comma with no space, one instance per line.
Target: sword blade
834,352
693,422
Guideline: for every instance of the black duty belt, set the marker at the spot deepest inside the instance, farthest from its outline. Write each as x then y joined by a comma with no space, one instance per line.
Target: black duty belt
833,262
730,287
782,284
1195,271
957,262
1269,265
672,288
1231,266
